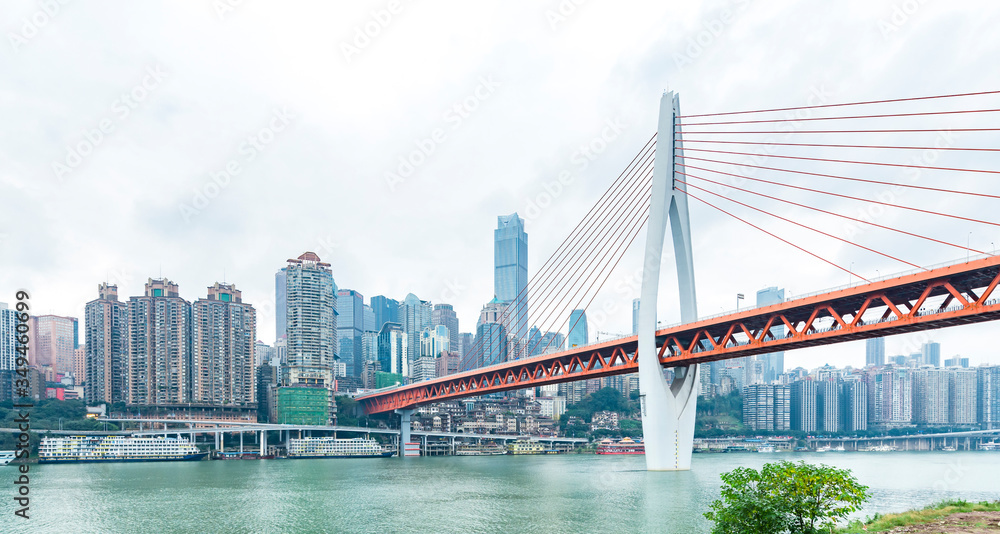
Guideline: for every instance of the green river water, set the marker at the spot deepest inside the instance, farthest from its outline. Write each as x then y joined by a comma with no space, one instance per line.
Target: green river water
536,494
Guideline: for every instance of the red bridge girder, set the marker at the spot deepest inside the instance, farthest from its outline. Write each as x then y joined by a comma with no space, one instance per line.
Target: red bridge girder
938,298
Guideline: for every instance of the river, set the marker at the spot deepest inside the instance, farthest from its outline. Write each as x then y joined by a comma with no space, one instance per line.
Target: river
534,494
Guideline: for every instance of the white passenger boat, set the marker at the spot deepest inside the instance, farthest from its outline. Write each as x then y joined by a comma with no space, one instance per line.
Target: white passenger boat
87,449
335,448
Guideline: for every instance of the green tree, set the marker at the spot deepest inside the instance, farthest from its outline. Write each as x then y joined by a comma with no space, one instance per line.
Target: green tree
748,505
798,498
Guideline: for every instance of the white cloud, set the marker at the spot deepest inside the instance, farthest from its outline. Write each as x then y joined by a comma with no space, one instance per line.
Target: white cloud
323,178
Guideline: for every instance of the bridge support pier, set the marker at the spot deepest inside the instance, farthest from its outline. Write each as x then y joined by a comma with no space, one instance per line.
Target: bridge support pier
404,429
263,442
668,410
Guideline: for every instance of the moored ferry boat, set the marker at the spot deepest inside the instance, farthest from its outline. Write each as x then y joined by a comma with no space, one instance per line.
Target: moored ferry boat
83,449
527,446
6,457
624,446
491,449
328,447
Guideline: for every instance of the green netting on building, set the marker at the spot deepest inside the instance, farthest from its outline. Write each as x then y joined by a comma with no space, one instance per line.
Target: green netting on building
384,380
302,406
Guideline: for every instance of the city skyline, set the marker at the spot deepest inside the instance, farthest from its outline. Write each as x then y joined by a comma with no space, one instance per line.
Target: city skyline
284,125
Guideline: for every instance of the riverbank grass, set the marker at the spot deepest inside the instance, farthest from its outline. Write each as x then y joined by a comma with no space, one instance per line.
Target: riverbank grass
884,523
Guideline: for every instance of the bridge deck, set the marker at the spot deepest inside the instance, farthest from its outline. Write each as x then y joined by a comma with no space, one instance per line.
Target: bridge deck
937,298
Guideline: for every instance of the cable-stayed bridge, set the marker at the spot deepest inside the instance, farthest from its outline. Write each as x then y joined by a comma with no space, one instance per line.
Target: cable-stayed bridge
654,189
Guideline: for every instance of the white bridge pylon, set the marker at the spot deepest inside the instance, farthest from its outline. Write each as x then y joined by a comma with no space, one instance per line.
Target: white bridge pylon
668,409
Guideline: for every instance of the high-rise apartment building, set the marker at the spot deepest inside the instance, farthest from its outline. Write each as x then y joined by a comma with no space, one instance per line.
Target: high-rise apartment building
106,321
828,406
854,405
988,402
890,397
159,357
930,396
875,351
774,362
350,327
264,354
312,321
8,339
53,341
223,334
766,407
956,361
510,275
931,354
803,405
80,365
963,392
444,314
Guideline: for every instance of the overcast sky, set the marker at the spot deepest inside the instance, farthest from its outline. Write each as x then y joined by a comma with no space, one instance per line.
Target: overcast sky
215,139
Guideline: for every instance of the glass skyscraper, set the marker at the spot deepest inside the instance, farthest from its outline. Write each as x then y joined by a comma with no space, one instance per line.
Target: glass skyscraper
386,310
350,327
577,329
774,362
414,316
510,275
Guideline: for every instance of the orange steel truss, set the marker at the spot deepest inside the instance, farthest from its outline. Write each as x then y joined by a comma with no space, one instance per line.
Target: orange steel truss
937,298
